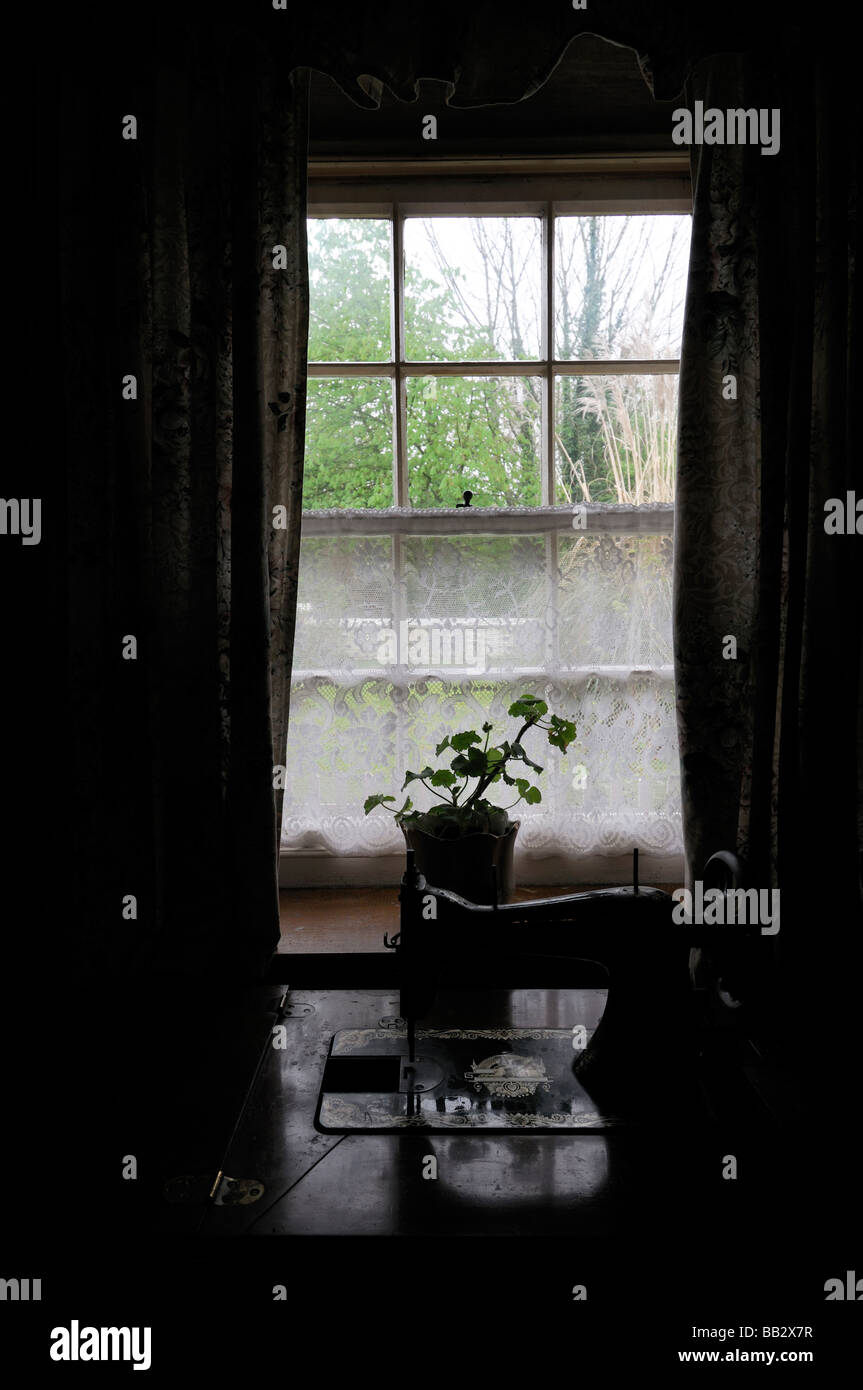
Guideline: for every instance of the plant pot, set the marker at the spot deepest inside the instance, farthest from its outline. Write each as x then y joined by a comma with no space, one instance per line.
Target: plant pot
465,865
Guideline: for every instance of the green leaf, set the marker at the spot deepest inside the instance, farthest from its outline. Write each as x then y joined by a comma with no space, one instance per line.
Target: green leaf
416,776
528,707
444,743
474,763
561,733
461,741
372,801
494,755
443,778
532,796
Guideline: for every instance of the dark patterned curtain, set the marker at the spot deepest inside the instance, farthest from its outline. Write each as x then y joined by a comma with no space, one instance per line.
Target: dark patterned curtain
770,741
168,276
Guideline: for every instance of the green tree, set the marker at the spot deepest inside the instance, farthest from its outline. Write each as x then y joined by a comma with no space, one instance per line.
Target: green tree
479,433
482,433
608,307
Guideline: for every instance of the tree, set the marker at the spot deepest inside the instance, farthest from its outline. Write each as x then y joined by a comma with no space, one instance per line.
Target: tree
611,304
614,436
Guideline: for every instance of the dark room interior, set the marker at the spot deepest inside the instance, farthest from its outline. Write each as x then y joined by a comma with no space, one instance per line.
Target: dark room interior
434,412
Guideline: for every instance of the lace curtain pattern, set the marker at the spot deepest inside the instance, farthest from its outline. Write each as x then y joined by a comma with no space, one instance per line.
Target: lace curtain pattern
403,639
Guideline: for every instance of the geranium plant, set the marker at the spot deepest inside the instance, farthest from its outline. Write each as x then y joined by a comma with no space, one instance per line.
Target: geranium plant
461,786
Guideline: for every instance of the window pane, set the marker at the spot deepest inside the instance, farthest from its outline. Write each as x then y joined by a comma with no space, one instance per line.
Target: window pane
341,728
472,288
485,619
476,603
349,289
620,285
341,741
615,438
479,434
614,600
344,604
349,443
617,786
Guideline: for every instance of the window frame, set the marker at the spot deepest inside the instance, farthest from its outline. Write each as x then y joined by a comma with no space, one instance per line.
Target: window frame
546,367
638,185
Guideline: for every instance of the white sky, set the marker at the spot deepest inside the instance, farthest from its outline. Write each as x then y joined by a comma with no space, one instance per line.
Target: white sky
641,246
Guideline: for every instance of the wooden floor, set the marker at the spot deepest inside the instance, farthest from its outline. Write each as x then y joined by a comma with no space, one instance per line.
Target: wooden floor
355,919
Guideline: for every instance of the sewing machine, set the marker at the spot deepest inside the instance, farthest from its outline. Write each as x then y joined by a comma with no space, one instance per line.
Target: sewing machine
630,932
626,940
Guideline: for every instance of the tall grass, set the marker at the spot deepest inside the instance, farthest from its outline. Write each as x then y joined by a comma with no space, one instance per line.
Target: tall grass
637,417
638,420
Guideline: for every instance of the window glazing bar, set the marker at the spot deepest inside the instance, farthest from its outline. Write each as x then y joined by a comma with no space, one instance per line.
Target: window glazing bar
619,366
649,519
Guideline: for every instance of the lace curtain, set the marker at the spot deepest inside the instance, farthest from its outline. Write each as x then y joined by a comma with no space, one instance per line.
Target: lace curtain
405,637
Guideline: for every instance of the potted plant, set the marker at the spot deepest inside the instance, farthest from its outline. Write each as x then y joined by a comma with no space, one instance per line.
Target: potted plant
461,842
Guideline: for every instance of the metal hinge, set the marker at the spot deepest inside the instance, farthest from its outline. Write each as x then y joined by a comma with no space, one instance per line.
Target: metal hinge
235,1192
223,1192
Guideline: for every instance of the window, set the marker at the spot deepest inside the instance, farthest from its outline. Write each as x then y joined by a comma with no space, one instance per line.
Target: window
528,356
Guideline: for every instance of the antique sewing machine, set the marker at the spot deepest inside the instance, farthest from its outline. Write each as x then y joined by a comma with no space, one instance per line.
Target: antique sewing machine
628,940
626,931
